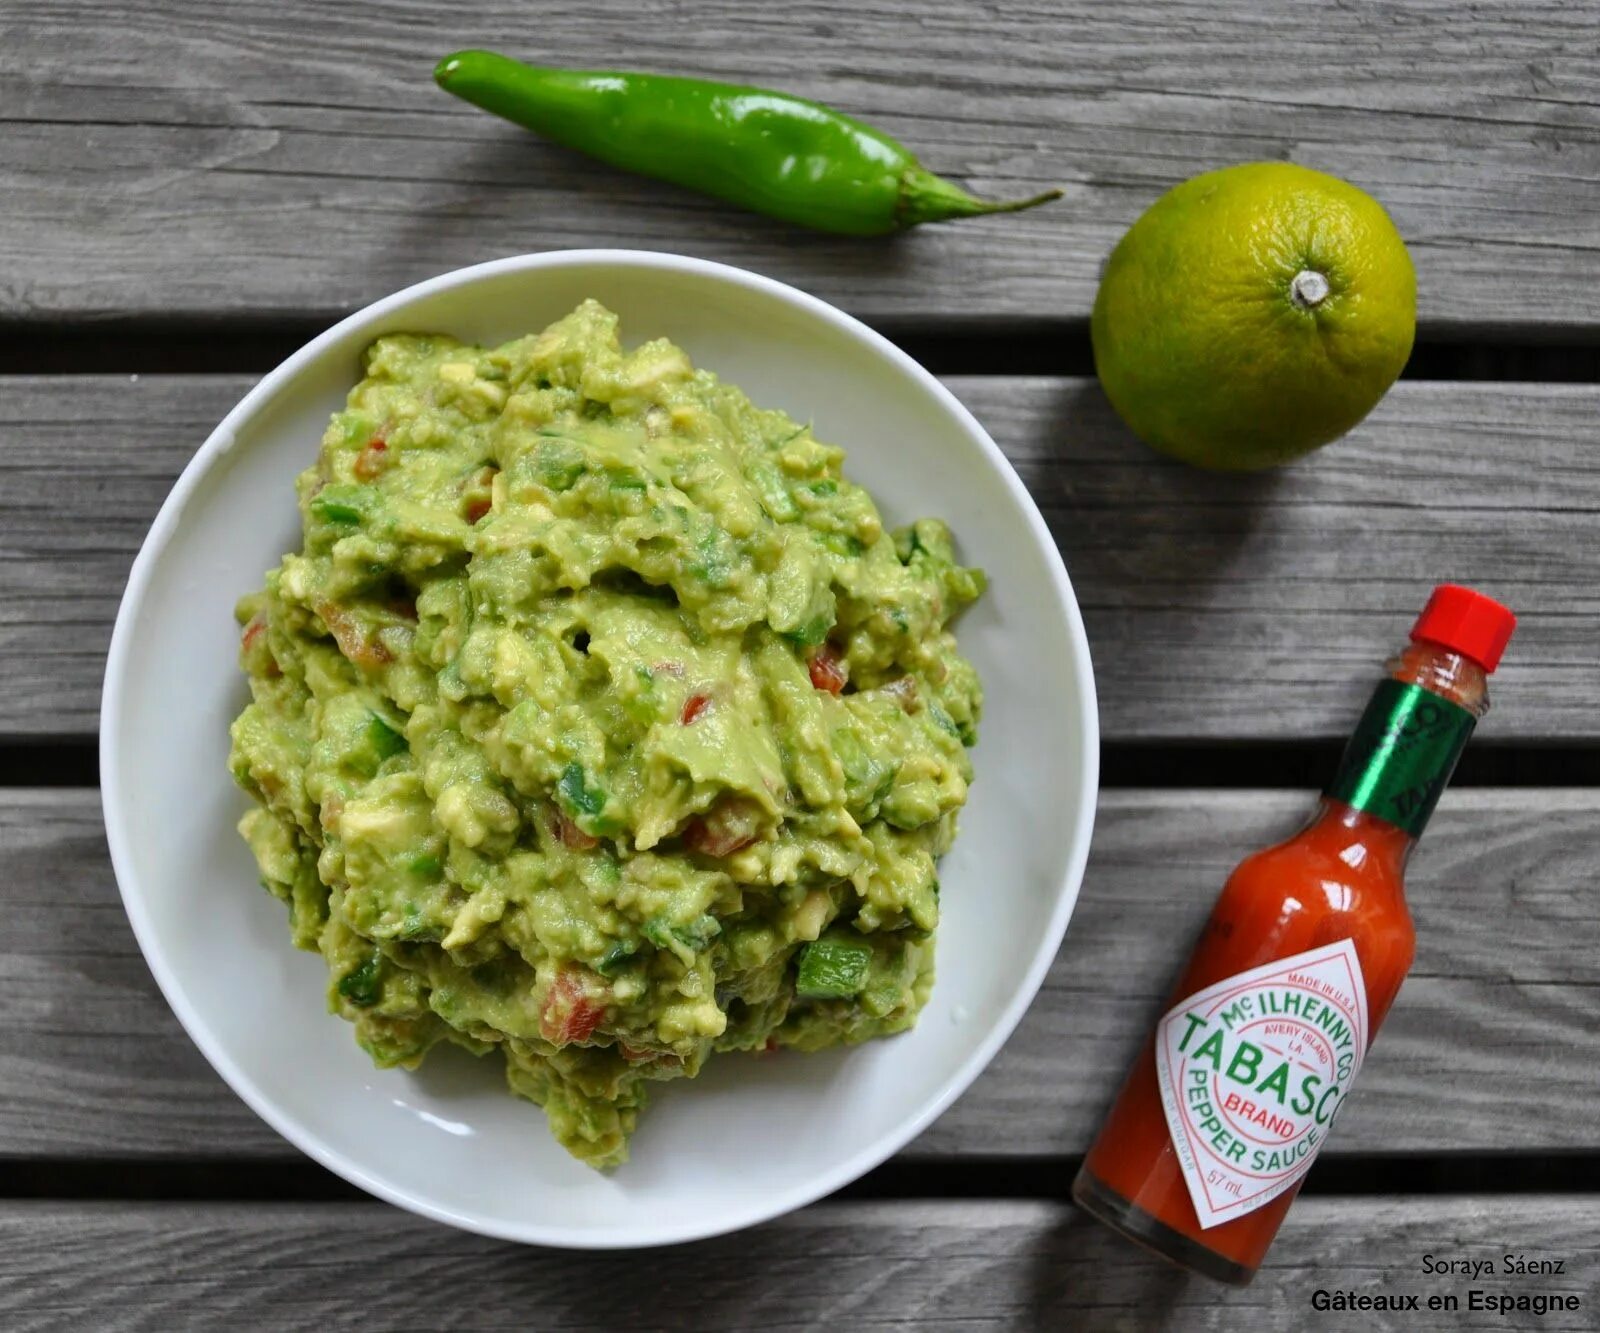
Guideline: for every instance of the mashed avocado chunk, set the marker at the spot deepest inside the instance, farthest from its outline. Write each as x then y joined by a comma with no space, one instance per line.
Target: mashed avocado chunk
600,721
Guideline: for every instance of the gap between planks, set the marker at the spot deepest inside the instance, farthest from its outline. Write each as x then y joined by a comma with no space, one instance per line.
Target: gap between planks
977,346
911,1175
73,761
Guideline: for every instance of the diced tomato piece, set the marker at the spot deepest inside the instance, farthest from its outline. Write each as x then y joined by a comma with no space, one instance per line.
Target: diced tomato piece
476,488
372,459
570,1013
365,652
828,669
253,631
693,706
568,833
724,829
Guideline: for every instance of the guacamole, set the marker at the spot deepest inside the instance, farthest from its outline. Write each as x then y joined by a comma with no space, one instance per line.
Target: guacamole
600,722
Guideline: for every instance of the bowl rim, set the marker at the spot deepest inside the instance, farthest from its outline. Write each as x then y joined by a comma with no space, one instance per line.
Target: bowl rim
304,1136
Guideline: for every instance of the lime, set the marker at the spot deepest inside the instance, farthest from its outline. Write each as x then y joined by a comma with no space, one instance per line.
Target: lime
1253,314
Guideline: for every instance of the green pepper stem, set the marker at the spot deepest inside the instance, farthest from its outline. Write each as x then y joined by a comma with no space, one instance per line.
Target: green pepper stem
925,197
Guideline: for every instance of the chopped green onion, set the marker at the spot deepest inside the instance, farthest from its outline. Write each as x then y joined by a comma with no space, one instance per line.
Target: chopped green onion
385,739
362,986
614,959
810,634
575,793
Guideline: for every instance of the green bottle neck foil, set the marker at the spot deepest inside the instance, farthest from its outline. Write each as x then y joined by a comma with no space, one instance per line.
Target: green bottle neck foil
1402,755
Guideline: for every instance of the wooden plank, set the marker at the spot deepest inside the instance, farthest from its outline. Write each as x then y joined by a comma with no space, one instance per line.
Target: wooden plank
926,1266
195,161
1493,1033
1300,581
86,464
1493,1046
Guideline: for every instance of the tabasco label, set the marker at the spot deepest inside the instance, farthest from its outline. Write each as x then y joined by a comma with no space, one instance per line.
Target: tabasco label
1253,1071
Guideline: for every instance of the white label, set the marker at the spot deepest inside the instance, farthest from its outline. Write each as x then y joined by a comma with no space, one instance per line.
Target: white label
1253,1071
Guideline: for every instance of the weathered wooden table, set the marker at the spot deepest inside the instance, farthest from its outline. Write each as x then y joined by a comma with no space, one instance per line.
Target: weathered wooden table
189,190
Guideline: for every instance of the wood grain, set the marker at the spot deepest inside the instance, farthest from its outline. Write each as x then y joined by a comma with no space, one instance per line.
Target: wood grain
1492,1048
1300,581
193,161
928,1266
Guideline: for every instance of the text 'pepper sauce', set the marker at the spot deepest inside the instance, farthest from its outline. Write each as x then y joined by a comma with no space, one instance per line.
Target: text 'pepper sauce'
1234,1094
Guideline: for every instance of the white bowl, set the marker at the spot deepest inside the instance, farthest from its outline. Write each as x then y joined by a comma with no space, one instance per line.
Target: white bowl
751,1138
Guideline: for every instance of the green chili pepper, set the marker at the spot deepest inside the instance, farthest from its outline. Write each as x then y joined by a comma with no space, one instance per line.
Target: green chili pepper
793,159
833,968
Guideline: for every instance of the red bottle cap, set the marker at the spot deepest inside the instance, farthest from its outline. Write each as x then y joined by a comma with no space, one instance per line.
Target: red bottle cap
1466,622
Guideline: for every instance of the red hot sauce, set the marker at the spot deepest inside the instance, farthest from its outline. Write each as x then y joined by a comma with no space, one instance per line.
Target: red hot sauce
1235,1092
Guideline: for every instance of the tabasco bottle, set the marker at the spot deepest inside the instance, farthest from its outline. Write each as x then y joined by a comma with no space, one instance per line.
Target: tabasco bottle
1236,1090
